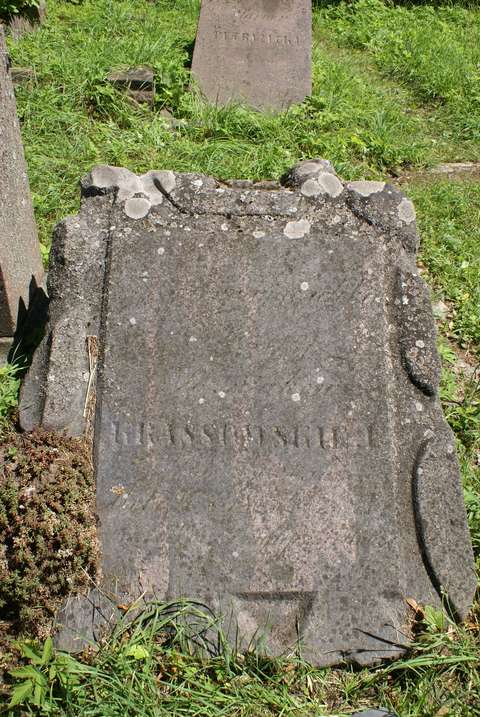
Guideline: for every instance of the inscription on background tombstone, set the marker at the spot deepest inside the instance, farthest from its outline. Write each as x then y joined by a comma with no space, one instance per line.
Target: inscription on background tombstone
269,439
255,51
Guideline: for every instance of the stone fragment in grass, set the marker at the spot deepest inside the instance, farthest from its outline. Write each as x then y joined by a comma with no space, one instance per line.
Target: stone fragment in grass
137,82
269,438
254,52
21,270
22,75
172,122
440,310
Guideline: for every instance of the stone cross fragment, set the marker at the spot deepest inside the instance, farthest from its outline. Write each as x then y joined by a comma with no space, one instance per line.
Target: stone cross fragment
254,51
268,434
21,270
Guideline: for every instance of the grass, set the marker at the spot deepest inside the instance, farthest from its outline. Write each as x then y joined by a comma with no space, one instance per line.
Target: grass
9,388
163,664
449,225
433,51
396,87
72,119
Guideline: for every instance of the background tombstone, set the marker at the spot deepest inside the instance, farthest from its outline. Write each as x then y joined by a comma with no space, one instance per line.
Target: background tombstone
269,438
254,51
21,270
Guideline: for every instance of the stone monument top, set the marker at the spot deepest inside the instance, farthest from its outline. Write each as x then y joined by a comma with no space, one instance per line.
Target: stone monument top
268,435
254,51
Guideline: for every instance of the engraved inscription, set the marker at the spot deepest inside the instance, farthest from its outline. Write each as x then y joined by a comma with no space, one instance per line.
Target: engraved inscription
255,38
186,435
271,44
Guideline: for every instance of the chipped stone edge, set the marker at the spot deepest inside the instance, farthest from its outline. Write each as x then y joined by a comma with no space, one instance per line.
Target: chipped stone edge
139,193
417,333
55,391
376,203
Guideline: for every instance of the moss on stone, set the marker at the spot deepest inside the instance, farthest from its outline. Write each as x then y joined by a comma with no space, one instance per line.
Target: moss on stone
48,543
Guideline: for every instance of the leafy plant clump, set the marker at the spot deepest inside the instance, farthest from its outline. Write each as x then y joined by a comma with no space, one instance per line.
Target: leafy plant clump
9,387
48,544
8,8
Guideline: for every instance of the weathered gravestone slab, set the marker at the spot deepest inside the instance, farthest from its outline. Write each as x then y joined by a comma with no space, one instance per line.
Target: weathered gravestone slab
268,436
255,51
20,261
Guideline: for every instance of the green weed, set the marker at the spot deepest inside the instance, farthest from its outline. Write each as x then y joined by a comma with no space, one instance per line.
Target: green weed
449,224
47,679
9,388
47,526
433,50
71,119
9,8
173,659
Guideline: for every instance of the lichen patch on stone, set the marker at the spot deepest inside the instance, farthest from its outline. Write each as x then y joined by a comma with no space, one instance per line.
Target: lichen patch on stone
167,180
150,189
307,168
366,189
137,207
324,183
310,188
127,185
330,184
125,182
297,230
406,211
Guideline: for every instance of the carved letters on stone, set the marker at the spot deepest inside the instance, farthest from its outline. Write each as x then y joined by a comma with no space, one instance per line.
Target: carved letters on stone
254,51
268,434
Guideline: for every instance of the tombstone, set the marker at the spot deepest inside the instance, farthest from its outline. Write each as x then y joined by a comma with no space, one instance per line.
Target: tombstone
254,51
268,434
21,270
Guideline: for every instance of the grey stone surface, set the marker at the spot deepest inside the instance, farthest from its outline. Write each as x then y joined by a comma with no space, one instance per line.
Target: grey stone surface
75,285
254,51
21,269
268,438
86,619
5,348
